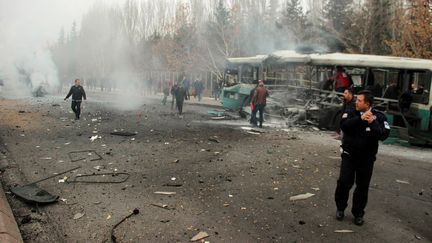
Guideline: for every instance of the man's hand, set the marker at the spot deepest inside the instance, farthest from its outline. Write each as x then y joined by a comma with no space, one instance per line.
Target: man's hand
368,116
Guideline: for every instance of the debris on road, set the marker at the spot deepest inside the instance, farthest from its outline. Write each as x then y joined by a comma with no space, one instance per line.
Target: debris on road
214,139
302,196
32,193
87,152
201,235
252,130
134,212
344,231
107,178
124,134
93,138
165,193
164,206
254,133
173,184
402,182
78,216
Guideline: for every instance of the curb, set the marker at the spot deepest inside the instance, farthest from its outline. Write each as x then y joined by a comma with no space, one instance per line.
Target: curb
9,231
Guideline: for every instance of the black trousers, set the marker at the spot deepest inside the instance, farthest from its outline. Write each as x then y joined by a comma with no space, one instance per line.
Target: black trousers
258,108
358,170
76,107
179,104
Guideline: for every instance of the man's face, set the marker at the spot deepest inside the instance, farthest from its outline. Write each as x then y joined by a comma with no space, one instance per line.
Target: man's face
361,105
77,82
347,96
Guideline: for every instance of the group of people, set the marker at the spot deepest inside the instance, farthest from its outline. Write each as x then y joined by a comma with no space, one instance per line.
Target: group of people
361,126
181,92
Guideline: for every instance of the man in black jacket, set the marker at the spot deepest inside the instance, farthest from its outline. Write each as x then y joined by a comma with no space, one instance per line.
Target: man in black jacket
362,128
180,96
77,92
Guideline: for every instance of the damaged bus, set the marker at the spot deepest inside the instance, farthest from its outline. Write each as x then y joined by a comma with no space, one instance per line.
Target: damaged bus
239,78
299,88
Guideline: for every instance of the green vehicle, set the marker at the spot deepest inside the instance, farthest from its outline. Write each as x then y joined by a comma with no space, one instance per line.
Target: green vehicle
240,77
408,107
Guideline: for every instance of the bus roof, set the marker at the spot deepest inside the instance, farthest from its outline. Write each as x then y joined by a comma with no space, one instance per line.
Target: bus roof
336,59
355,60
254,61
359,60
288,56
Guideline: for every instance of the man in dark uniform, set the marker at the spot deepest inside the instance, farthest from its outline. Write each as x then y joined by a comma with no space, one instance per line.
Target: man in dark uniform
362,128
180,96
348,100
77,92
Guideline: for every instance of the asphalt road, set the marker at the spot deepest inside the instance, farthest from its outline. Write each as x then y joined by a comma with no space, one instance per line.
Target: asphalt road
228,182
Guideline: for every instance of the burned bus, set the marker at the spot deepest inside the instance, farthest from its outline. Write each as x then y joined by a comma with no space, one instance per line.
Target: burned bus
402,87
239,78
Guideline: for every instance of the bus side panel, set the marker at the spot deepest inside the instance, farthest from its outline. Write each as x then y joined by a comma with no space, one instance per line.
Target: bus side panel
424,115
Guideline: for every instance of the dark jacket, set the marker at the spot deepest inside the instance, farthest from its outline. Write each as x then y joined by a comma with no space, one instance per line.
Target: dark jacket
260,96
180,94
350,106
360,139
77,93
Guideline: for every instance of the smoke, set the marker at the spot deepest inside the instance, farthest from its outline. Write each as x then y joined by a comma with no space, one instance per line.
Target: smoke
27,28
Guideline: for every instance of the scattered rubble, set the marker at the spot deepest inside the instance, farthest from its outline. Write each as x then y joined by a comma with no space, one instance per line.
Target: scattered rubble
344,231
402,182
78,216
32,193
113,237
165,193
302,196
73,158
201,235
118,177
122,133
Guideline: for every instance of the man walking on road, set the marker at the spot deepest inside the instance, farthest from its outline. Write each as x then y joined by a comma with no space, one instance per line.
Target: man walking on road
186,86
259,101
180,95
362,128
77,92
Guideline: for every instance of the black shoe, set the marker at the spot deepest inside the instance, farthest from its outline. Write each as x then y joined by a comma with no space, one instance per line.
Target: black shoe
358,221
340,215
260,126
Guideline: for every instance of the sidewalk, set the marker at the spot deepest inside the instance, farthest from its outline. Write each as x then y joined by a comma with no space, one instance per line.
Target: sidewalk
9,231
